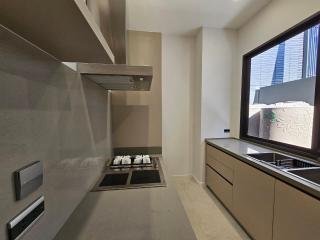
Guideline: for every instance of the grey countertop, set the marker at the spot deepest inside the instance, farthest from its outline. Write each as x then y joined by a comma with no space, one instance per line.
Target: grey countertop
239,148
135,214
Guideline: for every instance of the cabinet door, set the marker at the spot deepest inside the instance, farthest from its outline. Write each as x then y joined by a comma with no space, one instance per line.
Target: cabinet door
296,214
253,200
219,186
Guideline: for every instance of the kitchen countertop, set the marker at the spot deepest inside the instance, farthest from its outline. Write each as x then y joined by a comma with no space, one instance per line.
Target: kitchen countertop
133,214
239,148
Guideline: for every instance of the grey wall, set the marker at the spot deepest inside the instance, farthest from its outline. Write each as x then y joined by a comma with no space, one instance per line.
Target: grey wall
48,113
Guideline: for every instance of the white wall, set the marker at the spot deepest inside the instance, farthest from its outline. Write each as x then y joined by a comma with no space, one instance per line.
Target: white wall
198,154
217,61
202,104
177,98
213,79
275,18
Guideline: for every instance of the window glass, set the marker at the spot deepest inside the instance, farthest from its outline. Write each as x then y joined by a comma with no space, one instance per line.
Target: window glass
282,90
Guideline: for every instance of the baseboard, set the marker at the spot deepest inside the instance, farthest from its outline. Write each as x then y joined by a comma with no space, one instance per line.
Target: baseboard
190,176
181,175
198,181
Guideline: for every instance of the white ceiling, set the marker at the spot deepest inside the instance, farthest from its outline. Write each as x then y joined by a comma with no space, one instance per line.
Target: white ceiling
185,16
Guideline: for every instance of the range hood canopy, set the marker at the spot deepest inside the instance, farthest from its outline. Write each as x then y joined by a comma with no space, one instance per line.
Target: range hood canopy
118,76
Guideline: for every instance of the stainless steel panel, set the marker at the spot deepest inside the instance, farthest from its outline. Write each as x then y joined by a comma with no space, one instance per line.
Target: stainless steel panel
28,179
118,77
64,29
119,30
23,218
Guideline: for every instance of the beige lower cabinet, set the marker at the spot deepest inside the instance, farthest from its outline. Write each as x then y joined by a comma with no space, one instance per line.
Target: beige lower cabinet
296,214
220,162
219,186
253,200
219,174
267,208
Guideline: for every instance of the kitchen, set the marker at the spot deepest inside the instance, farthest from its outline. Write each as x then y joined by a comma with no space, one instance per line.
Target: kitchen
84,84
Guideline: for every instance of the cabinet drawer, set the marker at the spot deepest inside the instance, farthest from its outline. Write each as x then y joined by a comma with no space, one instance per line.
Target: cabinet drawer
221,162
219,186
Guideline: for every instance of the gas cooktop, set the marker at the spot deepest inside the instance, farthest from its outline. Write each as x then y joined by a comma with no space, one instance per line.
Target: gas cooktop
140,171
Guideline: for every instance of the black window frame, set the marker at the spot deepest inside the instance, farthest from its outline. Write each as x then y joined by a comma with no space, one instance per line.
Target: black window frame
314,152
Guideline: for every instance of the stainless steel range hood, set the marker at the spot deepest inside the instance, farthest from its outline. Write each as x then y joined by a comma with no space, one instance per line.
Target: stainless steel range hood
118,76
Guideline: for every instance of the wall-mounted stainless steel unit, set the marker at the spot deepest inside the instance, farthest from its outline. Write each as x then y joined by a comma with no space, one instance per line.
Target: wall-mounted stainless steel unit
119,30
28,179
70,30
118,76
65,29
26,219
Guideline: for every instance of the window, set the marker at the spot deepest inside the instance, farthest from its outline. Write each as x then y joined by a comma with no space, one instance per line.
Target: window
280,92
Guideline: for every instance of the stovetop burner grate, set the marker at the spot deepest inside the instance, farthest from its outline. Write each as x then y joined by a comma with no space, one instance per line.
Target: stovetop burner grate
132,164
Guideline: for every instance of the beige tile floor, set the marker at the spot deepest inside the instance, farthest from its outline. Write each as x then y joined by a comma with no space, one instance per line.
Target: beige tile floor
209,219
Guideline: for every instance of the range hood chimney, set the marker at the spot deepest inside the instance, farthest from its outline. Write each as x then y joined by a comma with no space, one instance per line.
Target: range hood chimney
118,76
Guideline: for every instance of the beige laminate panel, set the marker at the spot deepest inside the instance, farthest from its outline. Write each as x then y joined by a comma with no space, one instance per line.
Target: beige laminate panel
296,214
139,113
221,156
219,186
226,172
221,162
253,200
